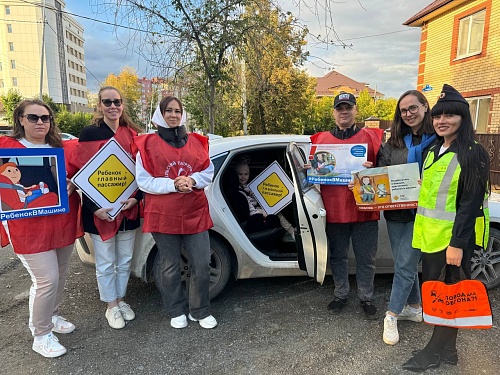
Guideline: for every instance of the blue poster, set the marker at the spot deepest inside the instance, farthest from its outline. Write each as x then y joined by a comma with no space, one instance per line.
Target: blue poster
32,183
332,164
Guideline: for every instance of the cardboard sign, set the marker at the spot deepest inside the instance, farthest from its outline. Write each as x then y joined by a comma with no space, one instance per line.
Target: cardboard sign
333,164
387,188
272,188
108,178
32,183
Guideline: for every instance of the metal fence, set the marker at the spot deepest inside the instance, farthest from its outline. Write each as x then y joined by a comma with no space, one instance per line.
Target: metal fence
491,143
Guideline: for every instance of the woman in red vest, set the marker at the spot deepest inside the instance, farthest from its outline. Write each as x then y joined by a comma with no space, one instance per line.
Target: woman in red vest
172,169
113,239
43,244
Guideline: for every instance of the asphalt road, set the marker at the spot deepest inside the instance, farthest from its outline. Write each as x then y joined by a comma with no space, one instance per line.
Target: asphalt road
266,326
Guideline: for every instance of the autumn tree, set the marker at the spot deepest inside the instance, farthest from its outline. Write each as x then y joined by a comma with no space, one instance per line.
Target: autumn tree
127,82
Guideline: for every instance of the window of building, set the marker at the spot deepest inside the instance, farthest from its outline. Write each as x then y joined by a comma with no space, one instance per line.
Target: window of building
479,110
14,81
9,28
13,64
1,83
11,46
7,9
470,34
1,66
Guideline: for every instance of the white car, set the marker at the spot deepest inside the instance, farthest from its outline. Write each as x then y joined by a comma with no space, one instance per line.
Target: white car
263,254
66,136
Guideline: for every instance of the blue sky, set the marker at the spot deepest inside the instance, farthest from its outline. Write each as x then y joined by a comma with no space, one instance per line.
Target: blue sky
380,50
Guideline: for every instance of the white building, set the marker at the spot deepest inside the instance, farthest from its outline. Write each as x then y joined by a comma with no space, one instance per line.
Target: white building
22,36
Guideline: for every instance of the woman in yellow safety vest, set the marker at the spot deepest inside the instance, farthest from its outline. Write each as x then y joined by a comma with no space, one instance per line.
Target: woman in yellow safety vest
454,184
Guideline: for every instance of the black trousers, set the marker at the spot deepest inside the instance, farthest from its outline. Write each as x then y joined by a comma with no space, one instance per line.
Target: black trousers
432,265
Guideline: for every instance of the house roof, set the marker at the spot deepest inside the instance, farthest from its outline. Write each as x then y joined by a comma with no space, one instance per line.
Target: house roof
426,13
333,82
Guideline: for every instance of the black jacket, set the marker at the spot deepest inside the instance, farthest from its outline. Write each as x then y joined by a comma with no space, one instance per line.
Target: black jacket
389,155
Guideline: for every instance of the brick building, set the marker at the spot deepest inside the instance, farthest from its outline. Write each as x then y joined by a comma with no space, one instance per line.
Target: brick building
460,45
334,82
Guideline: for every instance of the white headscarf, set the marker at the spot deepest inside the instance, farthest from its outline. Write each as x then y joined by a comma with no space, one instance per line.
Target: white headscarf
158,119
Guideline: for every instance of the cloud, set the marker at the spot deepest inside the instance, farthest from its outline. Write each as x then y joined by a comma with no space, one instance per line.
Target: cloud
379,49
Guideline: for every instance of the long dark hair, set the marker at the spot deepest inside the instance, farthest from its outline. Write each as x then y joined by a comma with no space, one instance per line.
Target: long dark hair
166,100
399,128
53,137
473,158
124,118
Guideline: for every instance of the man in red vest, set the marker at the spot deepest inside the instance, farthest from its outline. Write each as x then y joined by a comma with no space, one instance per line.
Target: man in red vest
344,221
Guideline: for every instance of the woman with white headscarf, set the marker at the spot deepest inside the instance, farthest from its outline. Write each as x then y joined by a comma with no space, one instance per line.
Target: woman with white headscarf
172,169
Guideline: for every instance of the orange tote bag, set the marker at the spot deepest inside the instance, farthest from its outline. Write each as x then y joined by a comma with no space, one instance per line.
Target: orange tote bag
464,304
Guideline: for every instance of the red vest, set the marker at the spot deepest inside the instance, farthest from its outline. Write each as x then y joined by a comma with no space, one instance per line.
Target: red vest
82,152
338,199
43,233
175,213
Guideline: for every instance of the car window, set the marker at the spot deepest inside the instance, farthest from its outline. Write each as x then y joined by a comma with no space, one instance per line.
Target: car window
298,157
218,160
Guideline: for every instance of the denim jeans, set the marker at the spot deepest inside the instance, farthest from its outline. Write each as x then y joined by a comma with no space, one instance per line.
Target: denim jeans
112,264
168,273
364,237
405,284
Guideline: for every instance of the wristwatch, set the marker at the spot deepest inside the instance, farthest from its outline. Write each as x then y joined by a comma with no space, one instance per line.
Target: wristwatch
194,181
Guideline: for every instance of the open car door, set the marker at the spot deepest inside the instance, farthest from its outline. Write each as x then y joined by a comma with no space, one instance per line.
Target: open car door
311,238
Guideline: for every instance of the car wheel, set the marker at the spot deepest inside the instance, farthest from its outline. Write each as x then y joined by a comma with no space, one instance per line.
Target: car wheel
220,268
486,262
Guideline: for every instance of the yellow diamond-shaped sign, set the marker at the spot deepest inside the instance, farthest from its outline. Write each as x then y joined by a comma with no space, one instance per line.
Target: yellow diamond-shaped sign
112,178
272,189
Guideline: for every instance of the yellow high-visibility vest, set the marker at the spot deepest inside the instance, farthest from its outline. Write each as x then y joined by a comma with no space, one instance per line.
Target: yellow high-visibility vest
436,210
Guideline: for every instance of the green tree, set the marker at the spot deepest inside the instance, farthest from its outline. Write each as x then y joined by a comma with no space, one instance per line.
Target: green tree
385,108
279,93
126,82
72,123
365,105
10,102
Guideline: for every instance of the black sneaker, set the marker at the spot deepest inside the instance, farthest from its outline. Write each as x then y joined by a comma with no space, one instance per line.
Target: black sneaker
337,305
369,309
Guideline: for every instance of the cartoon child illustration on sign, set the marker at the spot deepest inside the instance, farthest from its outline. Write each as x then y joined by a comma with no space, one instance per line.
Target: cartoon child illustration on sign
367,190
15,196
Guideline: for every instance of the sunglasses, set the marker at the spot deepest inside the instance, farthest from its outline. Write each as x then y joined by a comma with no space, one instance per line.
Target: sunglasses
108,102
34,118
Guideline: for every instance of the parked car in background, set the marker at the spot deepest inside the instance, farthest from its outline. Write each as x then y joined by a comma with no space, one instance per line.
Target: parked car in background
250,255
5,132
66,136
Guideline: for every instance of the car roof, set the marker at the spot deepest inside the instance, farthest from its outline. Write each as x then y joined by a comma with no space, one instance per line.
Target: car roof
220,145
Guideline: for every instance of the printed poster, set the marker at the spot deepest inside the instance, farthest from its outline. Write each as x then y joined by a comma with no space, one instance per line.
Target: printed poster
272,188
32,183
108,178
387,188
333,164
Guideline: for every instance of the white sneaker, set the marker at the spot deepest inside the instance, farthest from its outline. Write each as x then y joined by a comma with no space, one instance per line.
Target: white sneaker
127,312
208,322
61,325
179,321
407,314
391,335
48,346
115,318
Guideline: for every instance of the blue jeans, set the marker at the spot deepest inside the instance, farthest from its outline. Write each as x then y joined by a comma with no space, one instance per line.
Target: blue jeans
168,273
364,237
112,264
405,284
